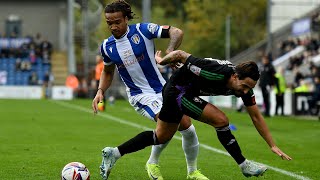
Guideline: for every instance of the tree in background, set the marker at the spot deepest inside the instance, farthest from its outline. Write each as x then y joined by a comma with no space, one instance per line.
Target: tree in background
206,25
203,22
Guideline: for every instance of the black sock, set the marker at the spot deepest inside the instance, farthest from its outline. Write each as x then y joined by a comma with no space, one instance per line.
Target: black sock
230,143
142,140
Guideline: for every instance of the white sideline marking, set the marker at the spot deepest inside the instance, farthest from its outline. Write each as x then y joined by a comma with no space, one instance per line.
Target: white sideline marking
122,121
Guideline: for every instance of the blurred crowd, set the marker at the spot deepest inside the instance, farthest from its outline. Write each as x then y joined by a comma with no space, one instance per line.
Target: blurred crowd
301,75
31,48
26,60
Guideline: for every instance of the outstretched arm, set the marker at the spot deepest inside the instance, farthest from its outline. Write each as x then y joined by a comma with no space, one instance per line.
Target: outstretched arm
263,130
172,58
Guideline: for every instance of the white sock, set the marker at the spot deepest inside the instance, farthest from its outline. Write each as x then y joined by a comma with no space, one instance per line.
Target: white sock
155,153
190,145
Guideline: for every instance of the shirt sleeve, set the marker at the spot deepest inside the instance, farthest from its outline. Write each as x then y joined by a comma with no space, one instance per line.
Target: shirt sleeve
249,98
104,54
150,30
208,68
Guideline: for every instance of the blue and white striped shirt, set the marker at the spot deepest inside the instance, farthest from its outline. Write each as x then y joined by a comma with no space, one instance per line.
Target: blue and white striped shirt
133,55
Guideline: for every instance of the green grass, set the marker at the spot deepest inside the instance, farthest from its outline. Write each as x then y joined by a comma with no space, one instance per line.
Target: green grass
38,137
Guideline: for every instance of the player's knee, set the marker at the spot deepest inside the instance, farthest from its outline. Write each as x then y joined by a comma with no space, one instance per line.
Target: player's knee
222,120
185,123
162,138
219,120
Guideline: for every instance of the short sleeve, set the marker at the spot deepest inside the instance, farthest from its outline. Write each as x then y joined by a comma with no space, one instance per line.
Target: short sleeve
150,30
211,69
104,54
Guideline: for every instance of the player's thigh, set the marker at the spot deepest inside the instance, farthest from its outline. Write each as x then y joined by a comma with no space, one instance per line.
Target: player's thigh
185,123
191,105
165,130
201,110
213,116
170,111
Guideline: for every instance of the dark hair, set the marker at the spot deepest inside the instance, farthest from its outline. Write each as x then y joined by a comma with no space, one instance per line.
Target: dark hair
248,69
120,6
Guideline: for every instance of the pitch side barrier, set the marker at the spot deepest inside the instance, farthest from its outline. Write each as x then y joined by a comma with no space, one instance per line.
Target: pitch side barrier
35,92
294,103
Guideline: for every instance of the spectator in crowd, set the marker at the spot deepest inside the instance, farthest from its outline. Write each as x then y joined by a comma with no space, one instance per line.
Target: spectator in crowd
33,79
24,65
297,78
24,50
18,64
315,72
288,45
316,94
46,50
266,81
304,86
73,83
47,83
280,89
38,38
32,53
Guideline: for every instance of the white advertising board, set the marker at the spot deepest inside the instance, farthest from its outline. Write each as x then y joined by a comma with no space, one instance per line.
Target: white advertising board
20,92
62,93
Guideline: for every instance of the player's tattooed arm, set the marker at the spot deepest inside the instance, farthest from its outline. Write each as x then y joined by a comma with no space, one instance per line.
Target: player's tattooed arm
176,36
173,57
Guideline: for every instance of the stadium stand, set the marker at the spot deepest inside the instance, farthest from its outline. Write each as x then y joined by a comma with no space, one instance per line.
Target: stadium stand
296,48
19,57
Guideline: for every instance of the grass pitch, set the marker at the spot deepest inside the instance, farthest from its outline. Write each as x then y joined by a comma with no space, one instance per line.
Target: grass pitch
38,137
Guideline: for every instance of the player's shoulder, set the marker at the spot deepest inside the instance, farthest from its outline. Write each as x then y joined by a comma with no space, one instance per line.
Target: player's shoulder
106,43
109,41
148,27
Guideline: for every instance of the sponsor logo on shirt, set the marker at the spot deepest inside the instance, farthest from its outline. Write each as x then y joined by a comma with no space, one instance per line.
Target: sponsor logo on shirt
152,28
196,99
196,70
130,59
135,39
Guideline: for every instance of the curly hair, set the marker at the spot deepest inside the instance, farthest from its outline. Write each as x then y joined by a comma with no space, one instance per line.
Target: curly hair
248,69
120,6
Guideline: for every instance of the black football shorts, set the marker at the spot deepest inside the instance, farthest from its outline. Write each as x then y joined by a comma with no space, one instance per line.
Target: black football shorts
177,102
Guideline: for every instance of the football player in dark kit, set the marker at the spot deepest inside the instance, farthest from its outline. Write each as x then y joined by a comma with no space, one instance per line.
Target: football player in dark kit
198,77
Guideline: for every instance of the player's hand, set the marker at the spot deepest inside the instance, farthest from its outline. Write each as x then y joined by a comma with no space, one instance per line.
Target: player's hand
278,151
98,98
158,57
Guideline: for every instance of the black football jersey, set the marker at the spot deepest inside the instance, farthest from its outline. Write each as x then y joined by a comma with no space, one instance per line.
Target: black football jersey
207,77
